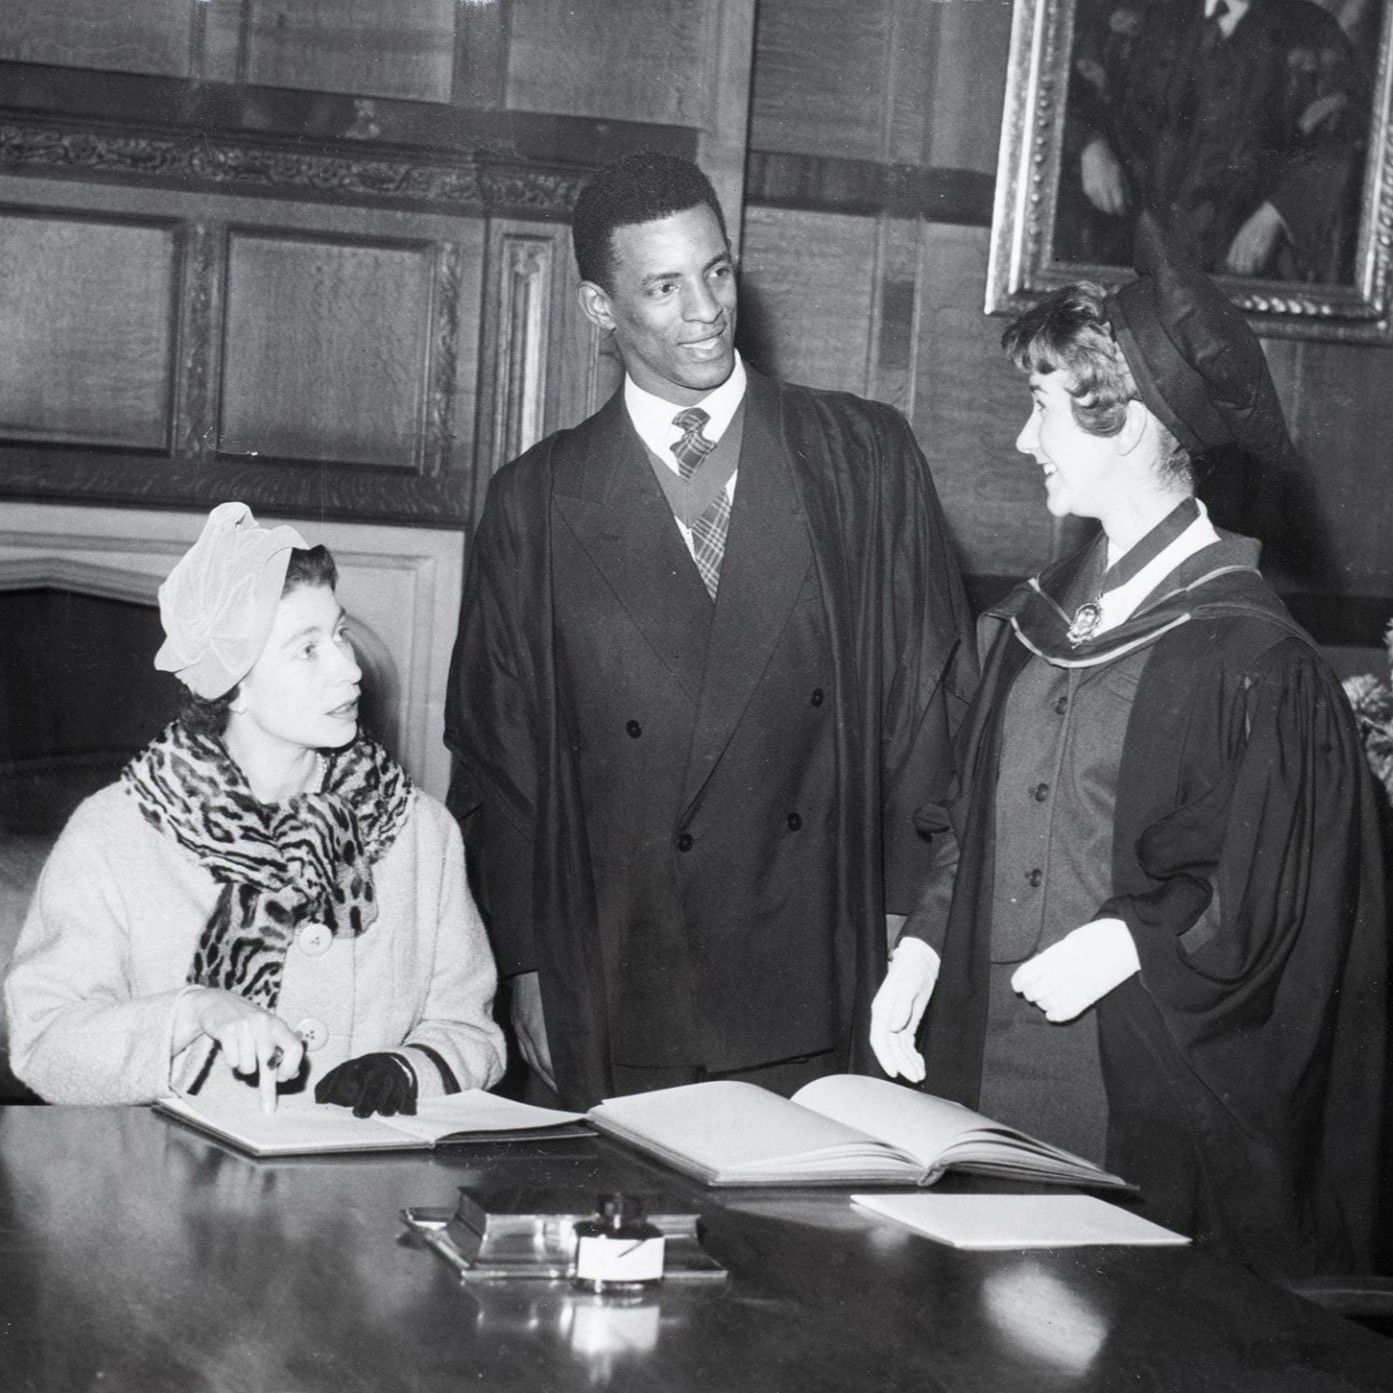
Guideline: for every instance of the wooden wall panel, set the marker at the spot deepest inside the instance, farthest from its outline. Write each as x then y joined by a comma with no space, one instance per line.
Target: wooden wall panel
635,60
820,77
327,349
1341,408
132,36
88,309
970,404
805,291
402,49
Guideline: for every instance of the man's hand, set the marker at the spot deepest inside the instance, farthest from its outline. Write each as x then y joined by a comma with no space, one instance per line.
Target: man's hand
1104,183
1083,967
530,1026
1254,242
899,1007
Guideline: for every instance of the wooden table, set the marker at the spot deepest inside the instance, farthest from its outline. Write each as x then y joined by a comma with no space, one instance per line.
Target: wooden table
138,1257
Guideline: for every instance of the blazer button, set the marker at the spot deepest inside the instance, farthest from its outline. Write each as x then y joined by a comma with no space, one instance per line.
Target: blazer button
684,841
1061,706
794,822
313,1032
1040,792
817,697
634,729
1035,877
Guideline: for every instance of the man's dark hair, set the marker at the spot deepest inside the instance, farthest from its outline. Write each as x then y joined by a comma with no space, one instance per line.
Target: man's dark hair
307,567
639,188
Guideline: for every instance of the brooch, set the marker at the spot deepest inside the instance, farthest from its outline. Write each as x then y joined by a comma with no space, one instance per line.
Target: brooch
1086,619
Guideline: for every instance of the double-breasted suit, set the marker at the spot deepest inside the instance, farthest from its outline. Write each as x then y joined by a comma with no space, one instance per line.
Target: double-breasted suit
676,805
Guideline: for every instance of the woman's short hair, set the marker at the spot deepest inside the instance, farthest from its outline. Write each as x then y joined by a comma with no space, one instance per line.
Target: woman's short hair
1069,332
307,567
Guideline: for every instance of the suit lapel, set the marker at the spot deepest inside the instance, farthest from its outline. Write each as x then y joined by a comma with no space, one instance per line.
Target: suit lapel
617,512
767,557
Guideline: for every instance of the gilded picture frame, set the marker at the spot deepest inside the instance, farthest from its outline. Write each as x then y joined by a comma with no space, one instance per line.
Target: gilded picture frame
1058,97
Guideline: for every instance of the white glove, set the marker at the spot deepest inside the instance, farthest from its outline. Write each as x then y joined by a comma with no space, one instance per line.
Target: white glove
899,1007
1083,967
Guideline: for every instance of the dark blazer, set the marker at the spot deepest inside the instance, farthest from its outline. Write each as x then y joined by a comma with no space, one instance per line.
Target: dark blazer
676,807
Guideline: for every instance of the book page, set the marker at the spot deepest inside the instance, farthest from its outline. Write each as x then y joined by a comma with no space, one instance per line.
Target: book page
919,1123
293,1129
723,1129
1018,1221
302,1126
475,1112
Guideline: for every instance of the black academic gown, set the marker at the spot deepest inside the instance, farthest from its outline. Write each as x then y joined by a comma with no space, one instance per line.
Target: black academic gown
691,818
1244,1064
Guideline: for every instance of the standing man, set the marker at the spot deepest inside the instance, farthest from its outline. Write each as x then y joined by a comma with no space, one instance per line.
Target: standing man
709,658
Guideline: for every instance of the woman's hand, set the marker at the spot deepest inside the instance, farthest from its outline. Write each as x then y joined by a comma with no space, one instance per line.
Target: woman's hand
252,1039
1082,968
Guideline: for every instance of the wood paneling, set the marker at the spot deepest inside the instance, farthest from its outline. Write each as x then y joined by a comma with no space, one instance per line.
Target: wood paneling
970,404
327,350
638,60
805,291
87,306
821,76
402,49
135,36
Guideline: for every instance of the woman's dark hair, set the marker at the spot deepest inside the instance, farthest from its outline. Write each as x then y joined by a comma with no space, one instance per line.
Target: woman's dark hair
1069,332
641,187
209,715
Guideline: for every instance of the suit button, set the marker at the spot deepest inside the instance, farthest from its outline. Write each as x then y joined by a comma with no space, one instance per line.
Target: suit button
313,1032
1034,878
817,697
634,729
1061,706
684,841
794,822
1040,792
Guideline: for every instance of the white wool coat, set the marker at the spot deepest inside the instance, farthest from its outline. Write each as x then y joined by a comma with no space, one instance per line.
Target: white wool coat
111,932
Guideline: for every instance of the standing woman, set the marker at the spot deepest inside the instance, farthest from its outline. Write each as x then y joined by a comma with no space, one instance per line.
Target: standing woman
262,898
1164,947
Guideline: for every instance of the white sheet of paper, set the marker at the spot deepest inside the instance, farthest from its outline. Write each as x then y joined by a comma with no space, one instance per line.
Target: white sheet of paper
1018,1221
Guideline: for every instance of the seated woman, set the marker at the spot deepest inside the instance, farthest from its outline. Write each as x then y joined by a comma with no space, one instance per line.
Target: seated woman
262,896
1164,947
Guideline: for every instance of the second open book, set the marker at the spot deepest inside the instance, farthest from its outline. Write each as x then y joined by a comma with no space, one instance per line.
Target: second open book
841,1130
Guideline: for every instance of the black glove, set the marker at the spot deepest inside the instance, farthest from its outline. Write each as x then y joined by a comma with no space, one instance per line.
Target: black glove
382,1083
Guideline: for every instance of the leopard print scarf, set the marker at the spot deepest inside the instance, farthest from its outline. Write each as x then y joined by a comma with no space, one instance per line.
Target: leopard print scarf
278,866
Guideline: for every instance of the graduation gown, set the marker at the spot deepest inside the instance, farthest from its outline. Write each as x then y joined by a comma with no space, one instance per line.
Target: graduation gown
690,818
1244,1063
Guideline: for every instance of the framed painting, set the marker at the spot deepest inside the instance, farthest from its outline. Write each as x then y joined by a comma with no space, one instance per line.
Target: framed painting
1256,130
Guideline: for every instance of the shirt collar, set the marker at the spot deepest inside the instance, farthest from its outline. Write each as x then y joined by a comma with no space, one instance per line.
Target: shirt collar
652,415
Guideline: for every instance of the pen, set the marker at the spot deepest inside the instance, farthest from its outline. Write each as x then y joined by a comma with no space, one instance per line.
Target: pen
268,1081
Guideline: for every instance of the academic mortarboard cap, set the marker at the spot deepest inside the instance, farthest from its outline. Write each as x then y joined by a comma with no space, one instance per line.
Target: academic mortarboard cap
1197,363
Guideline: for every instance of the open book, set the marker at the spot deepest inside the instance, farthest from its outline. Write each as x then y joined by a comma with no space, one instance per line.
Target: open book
304,1128
840,1130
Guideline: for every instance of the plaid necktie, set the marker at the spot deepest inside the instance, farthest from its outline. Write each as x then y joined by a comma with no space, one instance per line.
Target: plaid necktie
709,530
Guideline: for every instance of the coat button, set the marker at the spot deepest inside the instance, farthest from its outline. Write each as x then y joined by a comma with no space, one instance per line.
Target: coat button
1061,706
817,697
684,841
794,822
1035,877
314,940
1040,792
634,729
313,1032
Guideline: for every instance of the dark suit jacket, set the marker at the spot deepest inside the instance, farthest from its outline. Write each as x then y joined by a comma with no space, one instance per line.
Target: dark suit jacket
676,808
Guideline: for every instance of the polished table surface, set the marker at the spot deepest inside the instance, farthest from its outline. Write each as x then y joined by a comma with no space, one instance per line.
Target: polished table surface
138,1257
